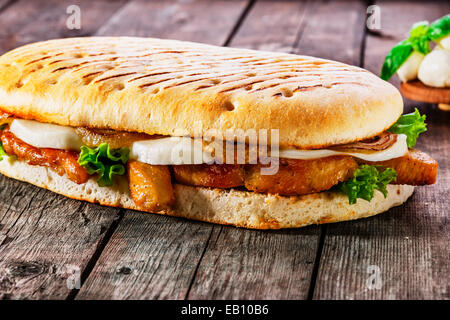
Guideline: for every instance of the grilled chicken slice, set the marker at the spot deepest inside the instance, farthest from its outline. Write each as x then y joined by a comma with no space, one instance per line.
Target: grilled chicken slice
415,168
294,177
297,177
150,186
214,175
62,161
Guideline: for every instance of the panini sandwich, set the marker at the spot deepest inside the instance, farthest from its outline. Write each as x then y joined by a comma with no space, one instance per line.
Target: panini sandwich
121,121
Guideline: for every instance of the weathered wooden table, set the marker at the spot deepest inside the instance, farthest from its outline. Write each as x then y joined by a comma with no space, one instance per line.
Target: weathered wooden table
46,240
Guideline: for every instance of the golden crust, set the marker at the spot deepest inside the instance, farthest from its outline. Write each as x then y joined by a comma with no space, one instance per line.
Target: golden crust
232,207
171,88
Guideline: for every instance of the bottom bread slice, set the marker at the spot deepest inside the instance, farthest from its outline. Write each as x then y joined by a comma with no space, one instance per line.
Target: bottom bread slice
232,207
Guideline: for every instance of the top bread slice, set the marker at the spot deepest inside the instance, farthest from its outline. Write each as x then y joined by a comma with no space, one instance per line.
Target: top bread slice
177,88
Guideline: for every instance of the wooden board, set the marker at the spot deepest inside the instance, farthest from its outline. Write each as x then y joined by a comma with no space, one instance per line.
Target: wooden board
183,20
407,247
46,241
4,4
334,30
28,21
160,254
417,91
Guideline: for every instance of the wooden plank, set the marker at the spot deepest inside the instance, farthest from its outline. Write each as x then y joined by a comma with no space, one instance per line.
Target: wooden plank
183,20
148,257
407,246
253,264
246,264
46,240
151,256
272,26
334,31
5,3
44,236
28,21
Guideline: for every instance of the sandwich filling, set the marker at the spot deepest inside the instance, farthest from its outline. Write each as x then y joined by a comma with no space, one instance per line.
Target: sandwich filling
148,163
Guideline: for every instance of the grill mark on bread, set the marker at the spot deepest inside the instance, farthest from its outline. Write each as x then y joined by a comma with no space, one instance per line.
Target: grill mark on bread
185,82
60,69
243,85
271,71
37,60
145,85
87,64
312,87
91,74
306,88
148,75
204,87
115,76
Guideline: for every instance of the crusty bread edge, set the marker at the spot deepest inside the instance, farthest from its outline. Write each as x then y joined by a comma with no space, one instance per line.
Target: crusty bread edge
232,207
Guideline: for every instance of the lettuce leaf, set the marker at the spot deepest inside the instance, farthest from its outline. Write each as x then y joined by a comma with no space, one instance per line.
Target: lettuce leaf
104,161
365,180
411,124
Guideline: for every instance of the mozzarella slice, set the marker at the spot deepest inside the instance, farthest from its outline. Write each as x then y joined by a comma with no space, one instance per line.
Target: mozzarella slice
183,150
45,135
174,150
170,151
398,149
409,69
434,70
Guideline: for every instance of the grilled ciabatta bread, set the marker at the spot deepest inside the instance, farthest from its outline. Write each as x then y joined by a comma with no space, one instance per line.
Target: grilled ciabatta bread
172,87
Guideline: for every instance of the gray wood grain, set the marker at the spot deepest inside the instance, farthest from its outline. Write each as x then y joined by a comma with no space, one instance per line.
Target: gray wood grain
45,238
272,26
334,30
198,20
151,256
253,264
409,245
246,264
28,21
5,3
148,257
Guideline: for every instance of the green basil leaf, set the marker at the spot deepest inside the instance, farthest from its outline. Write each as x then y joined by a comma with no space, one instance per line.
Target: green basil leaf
418,37
365,180
395,58
104,161
439,28
411,124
